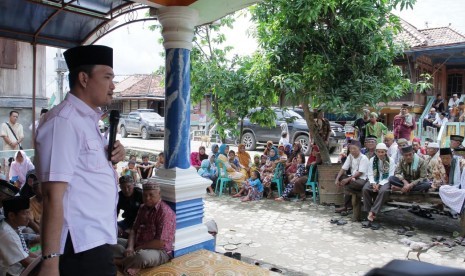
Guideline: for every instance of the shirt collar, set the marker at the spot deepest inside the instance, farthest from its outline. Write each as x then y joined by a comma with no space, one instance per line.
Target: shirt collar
82,107
156,207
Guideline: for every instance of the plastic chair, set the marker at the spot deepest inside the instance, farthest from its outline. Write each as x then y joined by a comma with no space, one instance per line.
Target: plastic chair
278,177
223,178
314,183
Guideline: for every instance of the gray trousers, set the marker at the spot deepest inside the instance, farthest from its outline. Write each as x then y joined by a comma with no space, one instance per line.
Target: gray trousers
372,202
423,185
353,186
141,259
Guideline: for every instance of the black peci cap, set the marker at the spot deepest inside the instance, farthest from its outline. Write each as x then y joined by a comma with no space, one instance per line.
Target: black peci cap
88,55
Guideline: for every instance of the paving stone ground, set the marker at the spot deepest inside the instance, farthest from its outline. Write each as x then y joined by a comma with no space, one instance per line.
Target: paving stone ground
299,237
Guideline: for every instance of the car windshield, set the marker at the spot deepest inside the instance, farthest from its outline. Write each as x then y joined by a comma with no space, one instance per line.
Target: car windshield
150,116
292,113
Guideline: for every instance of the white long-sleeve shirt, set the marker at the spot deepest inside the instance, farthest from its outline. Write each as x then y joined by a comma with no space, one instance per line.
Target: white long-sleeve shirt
382,181
440,122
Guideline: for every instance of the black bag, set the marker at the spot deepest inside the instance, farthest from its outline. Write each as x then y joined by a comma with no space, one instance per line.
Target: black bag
14,134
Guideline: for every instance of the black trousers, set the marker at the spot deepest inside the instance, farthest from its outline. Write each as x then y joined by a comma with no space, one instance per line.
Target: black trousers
420,187
97,261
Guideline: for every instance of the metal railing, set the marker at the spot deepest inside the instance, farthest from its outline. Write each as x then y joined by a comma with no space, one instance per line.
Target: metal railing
452,128
419,130
431,132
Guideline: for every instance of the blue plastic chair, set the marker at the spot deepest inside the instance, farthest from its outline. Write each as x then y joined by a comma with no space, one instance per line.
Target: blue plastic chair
313,184
278,177
223,178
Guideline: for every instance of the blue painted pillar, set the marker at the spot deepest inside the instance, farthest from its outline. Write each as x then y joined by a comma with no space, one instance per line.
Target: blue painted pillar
181,186
177,108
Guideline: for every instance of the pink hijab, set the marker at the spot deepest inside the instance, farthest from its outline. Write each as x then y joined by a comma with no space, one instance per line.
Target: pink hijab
20,169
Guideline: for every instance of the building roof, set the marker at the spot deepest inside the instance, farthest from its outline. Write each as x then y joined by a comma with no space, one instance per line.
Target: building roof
416,38
147,85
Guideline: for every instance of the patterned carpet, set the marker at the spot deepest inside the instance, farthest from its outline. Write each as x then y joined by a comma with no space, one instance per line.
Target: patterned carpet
204,263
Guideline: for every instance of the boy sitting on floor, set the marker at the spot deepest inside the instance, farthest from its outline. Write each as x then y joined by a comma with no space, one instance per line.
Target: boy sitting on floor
14,254
150,242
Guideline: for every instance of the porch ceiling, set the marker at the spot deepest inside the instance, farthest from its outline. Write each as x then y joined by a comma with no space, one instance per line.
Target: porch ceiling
69,23
447,54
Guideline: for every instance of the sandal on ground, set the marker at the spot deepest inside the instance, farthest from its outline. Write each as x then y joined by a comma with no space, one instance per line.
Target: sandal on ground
375,226
410,233
366,224
341,222
334,220
440,239
346,213
449,243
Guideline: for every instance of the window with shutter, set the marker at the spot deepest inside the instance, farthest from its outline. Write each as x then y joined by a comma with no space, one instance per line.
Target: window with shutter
8,53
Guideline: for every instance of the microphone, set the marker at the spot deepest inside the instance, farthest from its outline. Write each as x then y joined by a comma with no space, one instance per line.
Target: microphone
114,119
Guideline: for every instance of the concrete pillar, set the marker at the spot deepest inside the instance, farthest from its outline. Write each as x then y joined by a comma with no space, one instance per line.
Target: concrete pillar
181,186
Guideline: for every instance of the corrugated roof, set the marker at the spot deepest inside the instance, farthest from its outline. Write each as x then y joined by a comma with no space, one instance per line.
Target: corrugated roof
141,86
415,38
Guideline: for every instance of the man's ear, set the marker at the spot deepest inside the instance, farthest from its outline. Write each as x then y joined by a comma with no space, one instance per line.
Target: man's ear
83,78
11,216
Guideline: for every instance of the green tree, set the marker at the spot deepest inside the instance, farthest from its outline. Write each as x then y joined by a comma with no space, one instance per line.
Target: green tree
235,85
334,55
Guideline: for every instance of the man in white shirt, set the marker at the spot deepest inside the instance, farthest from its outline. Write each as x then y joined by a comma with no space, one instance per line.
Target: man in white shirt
14,254
453,107
79,184
358,165
440,121
390,144
376,190
454,101
430,118
36,123
12,132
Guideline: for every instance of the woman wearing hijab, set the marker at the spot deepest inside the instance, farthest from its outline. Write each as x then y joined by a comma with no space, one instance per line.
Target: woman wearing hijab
198,157
288,150
206,171
237,177
19,168
267,170
291,163
215,150
256,163
244,160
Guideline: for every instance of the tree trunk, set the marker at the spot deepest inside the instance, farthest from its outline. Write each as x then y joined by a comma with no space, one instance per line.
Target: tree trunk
241,128
216,115
317,139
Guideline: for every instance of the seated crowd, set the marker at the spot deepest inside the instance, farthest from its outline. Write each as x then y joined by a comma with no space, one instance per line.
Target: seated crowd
253,178
409,167
145,231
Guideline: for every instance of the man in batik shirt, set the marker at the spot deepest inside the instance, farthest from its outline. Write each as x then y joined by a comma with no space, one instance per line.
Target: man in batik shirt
150,242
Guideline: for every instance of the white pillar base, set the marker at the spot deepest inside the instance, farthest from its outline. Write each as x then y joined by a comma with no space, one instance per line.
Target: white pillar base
183,190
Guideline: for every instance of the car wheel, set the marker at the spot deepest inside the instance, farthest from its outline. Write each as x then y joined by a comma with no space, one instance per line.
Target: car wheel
145,135
124,133
305,142
248,139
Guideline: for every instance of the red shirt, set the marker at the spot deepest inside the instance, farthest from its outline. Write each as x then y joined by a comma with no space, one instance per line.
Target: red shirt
155,223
